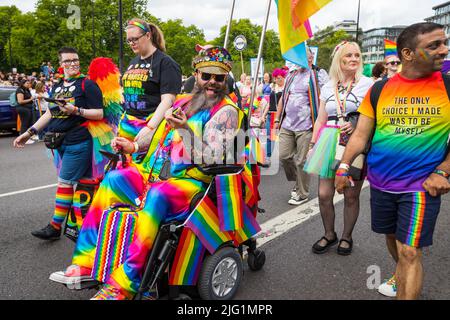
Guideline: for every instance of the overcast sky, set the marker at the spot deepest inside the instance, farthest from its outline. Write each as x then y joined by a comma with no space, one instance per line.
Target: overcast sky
211,15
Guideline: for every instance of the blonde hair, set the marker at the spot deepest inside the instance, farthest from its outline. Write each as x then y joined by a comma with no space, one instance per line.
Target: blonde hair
40,86
157,37
336,74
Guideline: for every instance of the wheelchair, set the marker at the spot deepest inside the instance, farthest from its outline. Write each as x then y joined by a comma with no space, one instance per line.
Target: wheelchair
221,272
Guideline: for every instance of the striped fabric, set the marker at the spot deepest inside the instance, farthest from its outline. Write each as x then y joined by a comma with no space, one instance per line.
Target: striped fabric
115,234
188,260
416,222
230,204
63,202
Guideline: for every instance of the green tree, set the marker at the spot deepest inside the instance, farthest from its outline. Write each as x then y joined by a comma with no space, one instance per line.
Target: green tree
326,40
181,41
37,36
252,32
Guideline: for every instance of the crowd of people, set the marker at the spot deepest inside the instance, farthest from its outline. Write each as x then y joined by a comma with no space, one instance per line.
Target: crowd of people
325,122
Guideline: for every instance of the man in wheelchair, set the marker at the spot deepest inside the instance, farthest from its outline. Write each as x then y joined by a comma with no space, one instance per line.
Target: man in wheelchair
197,126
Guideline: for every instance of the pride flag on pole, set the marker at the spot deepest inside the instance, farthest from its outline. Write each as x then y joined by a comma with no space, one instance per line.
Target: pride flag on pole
390,48
295,29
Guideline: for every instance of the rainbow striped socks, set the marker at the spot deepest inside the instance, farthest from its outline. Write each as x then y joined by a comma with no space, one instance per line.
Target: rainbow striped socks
63,202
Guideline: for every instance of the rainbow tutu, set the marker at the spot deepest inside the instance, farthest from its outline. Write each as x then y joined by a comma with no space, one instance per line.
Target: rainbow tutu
321,159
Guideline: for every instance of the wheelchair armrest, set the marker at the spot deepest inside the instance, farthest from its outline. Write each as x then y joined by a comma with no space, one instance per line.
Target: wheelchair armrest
218,169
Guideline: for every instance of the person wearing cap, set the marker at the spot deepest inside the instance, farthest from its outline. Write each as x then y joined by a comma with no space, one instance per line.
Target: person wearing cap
207,110
296,113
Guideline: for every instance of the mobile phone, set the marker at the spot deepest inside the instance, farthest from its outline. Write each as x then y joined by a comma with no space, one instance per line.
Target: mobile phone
176,112
57,101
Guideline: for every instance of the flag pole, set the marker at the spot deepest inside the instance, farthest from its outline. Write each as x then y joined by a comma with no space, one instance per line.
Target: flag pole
258,61
227,33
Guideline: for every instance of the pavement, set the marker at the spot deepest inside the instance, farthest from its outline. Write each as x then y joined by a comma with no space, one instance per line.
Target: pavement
291,272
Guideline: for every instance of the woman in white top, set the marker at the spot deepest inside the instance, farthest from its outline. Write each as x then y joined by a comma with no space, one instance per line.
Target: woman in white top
340,97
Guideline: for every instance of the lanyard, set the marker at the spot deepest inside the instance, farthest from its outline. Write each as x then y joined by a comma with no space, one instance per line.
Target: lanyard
341,104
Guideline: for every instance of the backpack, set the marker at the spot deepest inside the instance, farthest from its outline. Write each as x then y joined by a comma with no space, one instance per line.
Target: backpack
13,99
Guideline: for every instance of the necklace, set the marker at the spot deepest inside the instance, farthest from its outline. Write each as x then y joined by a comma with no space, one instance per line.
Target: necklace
150,71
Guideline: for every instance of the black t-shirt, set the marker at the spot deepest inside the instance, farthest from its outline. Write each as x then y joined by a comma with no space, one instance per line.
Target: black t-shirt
274,98
146,80
89,98
26,95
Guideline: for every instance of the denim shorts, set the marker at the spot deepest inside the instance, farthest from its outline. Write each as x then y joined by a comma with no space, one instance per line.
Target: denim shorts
76,162
410,216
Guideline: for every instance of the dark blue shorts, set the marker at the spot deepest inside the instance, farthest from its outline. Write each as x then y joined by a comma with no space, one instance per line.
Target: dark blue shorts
410,216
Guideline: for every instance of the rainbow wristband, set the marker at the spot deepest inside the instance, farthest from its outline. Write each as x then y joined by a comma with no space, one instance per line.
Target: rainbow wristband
441,173
342,173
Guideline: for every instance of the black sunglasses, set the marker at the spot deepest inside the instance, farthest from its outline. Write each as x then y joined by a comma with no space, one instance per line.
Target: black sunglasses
207,76
393,63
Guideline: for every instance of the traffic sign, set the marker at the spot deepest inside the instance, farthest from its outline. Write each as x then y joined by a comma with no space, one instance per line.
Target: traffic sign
240,43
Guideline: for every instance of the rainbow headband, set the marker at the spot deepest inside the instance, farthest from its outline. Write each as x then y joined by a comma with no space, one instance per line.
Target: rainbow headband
138,24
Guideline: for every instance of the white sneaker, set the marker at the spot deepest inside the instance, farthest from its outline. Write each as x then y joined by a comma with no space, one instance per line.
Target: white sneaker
29,141
294,192
389,288
72,276
297,200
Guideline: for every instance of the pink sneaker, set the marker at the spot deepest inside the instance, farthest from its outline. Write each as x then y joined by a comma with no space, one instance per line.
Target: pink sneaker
108,292
73,275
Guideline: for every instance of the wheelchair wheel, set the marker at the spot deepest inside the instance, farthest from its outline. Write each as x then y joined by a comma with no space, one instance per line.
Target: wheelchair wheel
256,259
221,275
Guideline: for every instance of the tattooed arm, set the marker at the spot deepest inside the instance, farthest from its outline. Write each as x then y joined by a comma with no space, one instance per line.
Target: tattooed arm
218,135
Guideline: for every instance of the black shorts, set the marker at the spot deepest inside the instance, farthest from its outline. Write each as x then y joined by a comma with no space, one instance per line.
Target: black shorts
410,216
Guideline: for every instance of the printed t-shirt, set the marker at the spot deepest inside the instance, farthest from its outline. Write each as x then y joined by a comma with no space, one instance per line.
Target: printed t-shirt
412,130
89,98
146,80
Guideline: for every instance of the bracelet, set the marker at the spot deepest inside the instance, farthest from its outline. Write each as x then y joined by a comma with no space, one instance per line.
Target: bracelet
81,111
441,173
32,131
136,147
341,173
344,166
276,121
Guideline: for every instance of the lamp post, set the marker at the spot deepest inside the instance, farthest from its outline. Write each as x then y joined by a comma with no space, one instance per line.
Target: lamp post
10,46
93,29
120,38
357,21
227,33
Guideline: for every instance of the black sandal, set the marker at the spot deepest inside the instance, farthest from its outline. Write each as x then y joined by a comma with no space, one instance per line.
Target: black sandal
345,251
317,248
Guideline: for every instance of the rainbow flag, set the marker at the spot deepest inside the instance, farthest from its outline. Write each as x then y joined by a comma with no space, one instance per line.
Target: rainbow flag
188,260
295,29
250,228
116,232
230,204
204,222
301,10
256,151
390,48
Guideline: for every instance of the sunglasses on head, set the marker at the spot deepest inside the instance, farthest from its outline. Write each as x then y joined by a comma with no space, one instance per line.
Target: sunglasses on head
393,63
207,76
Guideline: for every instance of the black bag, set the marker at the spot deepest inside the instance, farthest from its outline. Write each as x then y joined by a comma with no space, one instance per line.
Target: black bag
53,140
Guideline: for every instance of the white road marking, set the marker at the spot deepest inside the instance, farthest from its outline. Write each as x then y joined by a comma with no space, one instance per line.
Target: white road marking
284,222
27,190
